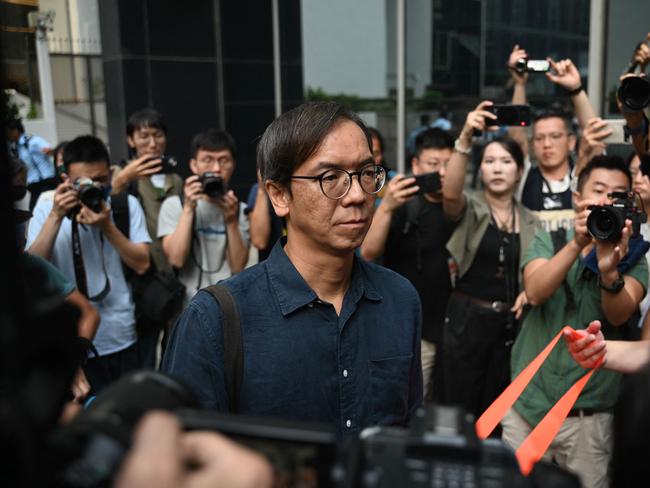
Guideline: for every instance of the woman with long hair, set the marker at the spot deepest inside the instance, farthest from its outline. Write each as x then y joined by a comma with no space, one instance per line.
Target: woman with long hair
492,233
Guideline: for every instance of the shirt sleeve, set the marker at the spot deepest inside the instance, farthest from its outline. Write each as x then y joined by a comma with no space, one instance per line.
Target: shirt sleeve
56,281
540,247
138,232
39,214
252,198
640,273
169,215
194,354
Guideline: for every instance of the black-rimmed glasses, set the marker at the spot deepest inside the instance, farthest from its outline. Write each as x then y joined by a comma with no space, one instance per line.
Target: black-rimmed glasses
335,183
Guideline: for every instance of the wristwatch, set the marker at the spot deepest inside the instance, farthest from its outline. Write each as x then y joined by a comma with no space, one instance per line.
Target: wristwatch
616,287
460,149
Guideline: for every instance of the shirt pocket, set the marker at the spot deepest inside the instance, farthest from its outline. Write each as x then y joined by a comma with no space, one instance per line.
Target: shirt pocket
389,390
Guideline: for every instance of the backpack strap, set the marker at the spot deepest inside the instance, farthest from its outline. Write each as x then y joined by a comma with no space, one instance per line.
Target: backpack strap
120,207
233,348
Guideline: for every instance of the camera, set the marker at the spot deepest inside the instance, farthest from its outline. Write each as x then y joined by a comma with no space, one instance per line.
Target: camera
524,65
634,92
606,222
514,115
440,448
91,194
213,185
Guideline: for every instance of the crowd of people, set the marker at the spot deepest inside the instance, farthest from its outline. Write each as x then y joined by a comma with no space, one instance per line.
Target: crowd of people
370,297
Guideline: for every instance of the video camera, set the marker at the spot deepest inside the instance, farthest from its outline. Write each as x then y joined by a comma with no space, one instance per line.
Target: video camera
213,185
524,65
606,222
439,449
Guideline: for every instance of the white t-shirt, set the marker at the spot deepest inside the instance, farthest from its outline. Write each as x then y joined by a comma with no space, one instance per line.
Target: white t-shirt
117,321
207,263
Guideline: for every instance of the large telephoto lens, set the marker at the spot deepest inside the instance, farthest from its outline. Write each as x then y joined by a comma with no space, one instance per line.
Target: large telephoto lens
634,92
605,224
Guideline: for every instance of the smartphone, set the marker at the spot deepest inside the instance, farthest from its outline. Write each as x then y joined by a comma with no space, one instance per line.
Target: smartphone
512,115
618,132
532,65
428,182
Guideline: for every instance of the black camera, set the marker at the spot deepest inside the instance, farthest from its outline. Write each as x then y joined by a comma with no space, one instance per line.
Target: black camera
634,92
606,222
213,185
91,193
524,65
439,449
509,115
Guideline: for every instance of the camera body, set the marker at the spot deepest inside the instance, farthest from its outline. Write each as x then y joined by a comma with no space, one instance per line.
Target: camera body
91,194
634,92
524,65
213,185
509,115
606,222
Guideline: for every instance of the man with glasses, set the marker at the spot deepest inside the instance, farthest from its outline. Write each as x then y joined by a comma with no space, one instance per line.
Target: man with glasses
326,336
205,233
79,236
411,231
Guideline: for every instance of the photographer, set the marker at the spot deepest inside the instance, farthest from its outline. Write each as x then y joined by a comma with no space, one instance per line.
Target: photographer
493,231
325,336
584,280
89,249
546,188
410,230
205,234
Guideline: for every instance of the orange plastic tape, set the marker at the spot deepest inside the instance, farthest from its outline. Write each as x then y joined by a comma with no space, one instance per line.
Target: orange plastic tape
537,442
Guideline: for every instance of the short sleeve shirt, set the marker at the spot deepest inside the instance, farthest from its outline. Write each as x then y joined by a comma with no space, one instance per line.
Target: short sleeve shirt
545,321
56,281
207,263
30,151
101,262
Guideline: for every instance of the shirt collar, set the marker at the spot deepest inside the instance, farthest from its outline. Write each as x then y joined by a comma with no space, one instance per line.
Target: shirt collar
293,292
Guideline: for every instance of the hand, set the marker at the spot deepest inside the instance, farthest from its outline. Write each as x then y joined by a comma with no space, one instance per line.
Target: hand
590,350
476,121
229,204
98,219
193,191
591,142
516,54
398,191
80,386
565,74
520,303
581,235
141,168
610,254
65,198
165,457
642,54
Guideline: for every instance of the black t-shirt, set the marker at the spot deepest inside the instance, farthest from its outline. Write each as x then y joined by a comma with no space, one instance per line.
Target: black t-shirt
534,197
487,278
416,249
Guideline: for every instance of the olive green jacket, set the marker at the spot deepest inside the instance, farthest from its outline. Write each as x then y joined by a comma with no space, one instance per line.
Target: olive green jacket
465,240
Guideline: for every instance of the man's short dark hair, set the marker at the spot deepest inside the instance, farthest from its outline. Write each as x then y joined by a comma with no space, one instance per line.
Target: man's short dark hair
434,138
611,163
212,140
15,124
147,118
296,135
85,149
510,145
555,114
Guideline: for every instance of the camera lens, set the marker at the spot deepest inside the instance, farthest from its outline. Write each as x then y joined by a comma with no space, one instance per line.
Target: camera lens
605,224
91,196
213,185
634,92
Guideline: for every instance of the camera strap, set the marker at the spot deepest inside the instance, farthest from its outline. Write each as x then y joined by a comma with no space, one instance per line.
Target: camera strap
80,270
538,441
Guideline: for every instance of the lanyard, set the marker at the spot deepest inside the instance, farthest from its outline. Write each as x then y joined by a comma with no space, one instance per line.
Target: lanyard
538,441
80,271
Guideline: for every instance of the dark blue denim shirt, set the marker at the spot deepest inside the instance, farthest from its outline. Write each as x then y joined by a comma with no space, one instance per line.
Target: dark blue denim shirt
301,359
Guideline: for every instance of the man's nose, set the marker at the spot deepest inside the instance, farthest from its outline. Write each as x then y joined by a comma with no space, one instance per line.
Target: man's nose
355,194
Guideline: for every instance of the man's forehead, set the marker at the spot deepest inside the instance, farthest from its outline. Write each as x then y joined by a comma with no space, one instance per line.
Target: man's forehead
90,168
610,178
147,129
214,153
549,124
436,153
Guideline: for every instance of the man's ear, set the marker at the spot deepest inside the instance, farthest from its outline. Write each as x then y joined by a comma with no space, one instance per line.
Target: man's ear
280,197
576,198
572,142
194,167
130,142
414,162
